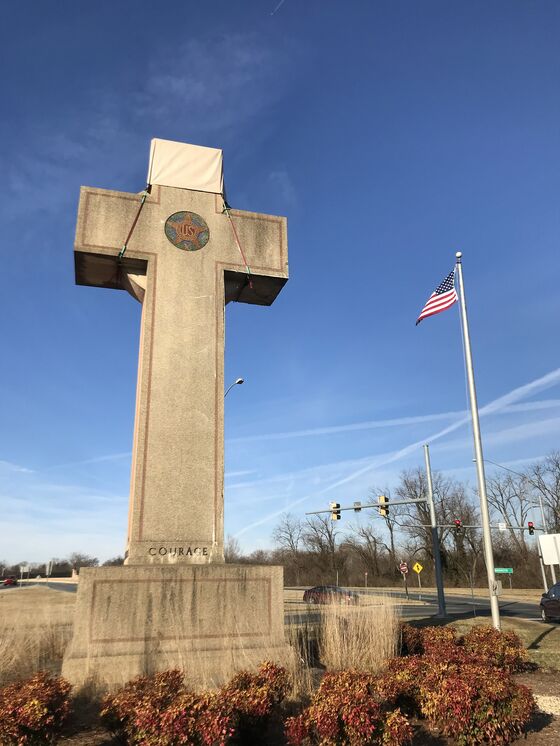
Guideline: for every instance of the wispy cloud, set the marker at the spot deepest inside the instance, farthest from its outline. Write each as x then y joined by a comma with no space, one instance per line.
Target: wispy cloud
460,416
216,83
497,405
278,6
8,466
515,434
212,86
283,185
92,460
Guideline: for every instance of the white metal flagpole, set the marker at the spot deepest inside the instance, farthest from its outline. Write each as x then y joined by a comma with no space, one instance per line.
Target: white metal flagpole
487,536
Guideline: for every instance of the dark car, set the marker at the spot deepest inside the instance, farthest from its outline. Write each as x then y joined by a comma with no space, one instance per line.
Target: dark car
330,594
10,582
550,604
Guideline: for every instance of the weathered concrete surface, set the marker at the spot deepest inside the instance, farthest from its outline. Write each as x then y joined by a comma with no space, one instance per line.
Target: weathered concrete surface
209,620
176,498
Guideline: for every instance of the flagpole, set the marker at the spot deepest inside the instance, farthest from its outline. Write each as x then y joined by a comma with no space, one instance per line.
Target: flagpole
481,478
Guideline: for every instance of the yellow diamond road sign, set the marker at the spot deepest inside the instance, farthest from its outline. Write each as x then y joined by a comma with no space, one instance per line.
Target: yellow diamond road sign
417,567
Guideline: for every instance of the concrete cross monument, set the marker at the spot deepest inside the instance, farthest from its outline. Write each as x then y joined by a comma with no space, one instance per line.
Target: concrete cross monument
177,250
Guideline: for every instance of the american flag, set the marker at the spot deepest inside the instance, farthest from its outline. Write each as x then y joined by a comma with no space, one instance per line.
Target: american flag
444,296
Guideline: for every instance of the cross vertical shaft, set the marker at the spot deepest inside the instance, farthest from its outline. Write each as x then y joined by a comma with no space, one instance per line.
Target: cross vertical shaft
176,500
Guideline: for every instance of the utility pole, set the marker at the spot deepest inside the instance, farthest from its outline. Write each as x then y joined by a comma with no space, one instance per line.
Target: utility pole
481,477
435,536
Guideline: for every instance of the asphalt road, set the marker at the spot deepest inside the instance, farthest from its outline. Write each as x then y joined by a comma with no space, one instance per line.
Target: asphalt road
457,607
464,607
72,587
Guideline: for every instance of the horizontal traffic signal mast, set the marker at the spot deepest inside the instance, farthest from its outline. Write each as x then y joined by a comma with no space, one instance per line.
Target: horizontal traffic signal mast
382,505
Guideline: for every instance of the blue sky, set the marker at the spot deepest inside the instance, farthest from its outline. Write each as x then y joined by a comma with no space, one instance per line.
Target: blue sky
390,134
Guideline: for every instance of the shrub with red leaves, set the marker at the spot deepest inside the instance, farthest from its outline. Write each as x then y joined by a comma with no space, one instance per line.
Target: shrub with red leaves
134,713
439,641
257,694
411,639
472,702
33,711
475,703
481,644
348,711
399,684
501,649
202,719
255,699
159,711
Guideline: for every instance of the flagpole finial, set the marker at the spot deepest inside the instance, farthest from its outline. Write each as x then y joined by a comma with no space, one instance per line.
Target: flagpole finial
458,254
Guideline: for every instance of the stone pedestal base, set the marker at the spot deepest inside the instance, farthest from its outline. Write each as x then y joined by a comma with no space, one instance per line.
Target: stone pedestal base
208,620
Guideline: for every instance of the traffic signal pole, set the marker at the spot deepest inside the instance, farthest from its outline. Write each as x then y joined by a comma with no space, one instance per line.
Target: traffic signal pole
435,536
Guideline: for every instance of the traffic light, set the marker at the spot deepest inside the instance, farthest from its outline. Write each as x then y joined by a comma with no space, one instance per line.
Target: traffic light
531,528
335,511
458,525
383,506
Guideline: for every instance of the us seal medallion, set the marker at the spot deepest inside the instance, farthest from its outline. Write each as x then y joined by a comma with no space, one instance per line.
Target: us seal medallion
187,231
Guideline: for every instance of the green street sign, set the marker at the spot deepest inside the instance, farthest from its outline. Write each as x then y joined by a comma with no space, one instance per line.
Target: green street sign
505,570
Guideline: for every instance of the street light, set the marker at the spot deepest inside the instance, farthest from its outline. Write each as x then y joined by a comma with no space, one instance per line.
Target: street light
237,382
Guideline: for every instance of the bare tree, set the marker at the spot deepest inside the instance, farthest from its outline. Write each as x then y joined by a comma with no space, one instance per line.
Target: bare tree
77,560
450,501
510,497
288,536
545,477
391,520
232,550
366,545
320,537
114,562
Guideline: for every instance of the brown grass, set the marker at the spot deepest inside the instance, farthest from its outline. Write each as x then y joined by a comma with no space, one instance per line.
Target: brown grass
358,638
35,628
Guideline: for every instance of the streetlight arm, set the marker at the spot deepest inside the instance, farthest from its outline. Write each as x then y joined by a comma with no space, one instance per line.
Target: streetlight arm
237,382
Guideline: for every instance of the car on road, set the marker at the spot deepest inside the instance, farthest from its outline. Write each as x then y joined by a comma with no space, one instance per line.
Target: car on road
10,582
330,594
550,604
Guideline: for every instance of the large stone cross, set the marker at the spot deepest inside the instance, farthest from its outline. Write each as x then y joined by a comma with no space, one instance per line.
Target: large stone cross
183,262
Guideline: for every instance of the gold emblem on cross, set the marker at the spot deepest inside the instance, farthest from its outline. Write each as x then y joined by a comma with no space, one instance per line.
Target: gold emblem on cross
187,231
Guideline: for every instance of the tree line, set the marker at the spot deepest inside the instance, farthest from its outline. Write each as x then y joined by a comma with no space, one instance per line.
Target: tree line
60,568
317,550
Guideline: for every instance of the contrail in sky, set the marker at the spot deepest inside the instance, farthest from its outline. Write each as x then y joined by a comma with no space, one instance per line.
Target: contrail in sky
394,422
93,460
277,8
521,392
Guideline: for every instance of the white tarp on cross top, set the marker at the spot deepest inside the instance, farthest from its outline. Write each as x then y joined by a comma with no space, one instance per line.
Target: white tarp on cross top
178,164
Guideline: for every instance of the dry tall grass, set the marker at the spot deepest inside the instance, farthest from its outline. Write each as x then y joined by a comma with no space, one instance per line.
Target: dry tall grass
358,638
339,638
35,628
